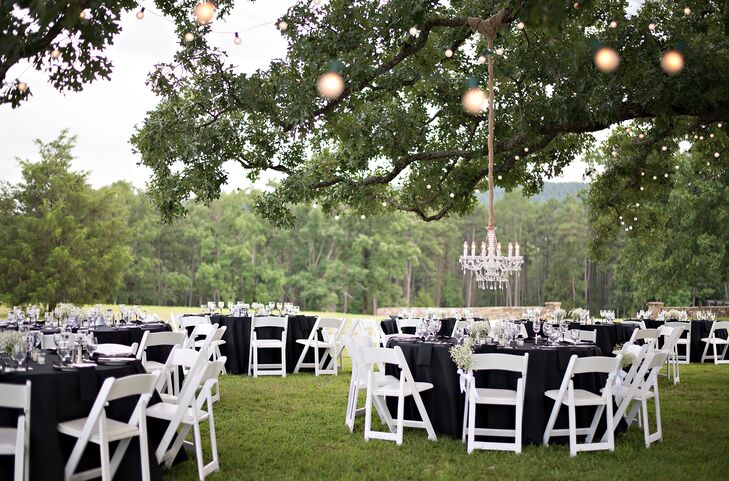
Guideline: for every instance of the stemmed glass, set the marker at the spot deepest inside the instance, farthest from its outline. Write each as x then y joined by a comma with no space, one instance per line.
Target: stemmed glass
563,329
91,344
547,329
575,334
20,353
64,351
535,327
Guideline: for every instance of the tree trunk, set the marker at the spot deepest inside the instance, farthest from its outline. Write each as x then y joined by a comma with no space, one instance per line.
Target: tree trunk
408,283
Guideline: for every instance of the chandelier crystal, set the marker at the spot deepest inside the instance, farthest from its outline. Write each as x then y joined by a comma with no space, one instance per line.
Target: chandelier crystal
491,268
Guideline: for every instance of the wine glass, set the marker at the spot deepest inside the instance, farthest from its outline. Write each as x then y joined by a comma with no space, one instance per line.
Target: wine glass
91,344
563,329
20,353
535,327
547,329
575,334
63,348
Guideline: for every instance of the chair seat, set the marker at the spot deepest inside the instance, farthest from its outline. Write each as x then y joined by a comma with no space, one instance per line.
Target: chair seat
315,343
642,395
168,398
380,380
201,342
582,397
8,438
267,343
165,410
682,340
394,389
495,396
715,340
153,366
117,430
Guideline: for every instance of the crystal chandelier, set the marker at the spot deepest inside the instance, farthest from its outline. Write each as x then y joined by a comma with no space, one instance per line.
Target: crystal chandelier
491,268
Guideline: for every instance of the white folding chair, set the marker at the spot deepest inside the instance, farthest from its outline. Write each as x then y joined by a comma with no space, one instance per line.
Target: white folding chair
100,430
370,327
48,340
713,340
192,321
331,330
684,358
153,339
358,381
187,412
588,336
500,397
176,323
637,324
458,325
406,386
645,335
670,336
111,349
646,388
16,441
271,369
216,332
407,323
568,396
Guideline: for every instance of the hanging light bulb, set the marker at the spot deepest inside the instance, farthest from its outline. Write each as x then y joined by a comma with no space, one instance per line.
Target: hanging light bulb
236,39
336,217
330,85
55,53
718,125
482,59
516,157
717,155
22,86
362,217
449,53
499,177
520,26
664,148
500,51
652,27
473,100
283,25
413,31
641,135
687,11
189,37
140,13
672,62
613,24
452,195
204,12
607,59
83,15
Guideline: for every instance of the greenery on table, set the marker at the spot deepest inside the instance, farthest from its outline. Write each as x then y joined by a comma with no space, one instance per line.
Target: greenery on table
64,241
293,429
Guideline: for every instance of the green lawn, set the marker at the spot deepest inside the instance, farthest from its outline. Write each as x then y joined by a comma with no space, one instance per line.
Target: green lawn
293,428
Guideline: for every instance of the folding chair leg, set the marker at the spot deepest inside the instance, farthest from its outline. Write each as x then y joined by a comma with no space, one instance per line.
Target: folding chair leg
573,428
105,465
301,358
595,422
465,419
471,424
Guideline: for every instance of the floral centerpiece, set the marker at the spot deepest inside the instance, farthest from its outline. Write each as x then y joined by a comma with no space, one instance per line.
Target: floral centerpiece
559,314
578,314
462,355
10,339
498,329
643,315
479,329
673,314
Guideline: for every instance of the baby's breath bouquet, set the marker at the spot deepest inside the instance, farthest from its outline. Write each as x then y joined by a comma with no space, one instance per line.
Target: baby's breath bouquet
10,339
628,360
559,314
704,316
479,328
577,314
462,355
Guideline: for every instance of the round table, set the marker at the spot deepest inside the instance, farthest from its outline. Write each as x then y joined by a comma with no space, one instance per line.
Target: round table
237,339
608,335
62,395
389,327
699,329
431,362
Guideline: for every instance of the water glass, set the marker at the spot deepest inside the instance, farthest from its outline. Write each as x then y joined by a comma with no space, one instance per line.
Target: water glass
575,334
20,353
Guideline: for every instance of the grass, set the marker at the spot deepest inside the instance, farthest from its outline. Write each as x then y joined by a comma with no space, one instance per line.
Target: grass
293,429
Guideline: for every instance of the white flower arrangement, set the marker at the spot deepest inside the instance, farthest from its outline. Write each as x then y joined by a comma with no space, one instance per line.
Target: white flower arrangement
673,314
578,313
462,355
704,316
498,329
64,310
643,315
479,328
628,360
559,314
10,339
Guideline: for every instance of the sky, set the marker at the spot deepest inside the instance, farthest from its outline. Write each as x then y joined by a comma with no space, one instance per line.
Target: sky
103,115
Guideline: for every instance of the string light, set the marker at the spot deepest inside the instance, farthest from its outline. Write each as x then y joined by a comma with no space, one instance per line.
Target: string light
516,157
83,15
283,25
500,177
500,51
314,206
664,148
473,100
677,167
189,37
642,174
330,85
607,59
336,217
413,31
711,136
716,155
520,26
140,13
687,11
362,217
615,153
665,175
613,24
718,125
642,188
236,39
701,137
427,186
641,135
449,53
452,195
204,12
672,62
55,53
482,59
22,86
526,149
651,26
317,2
655,178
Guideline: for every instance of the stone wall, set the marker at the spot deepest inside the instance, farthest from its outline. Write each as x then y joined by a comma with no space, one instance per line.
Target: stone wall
720,311
483,312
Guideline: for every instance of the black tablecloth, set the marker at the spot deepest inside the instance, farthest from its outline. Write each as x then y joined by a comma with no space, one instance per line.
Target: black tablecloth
58,396
389,326
431,362
608,335
237,339
699,329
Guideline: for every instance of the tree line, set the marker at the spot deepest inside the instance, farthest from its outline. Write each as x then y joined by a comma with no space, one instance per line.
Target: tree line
64,241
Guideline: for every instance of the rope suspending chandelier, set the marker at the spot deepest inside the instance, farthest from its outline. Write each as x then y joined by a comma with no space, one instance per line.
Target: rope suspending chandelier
491,268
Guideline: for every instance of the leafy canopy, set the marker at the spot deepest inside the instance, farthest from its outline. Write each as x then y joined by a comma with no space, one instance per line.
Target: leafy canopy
398,138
